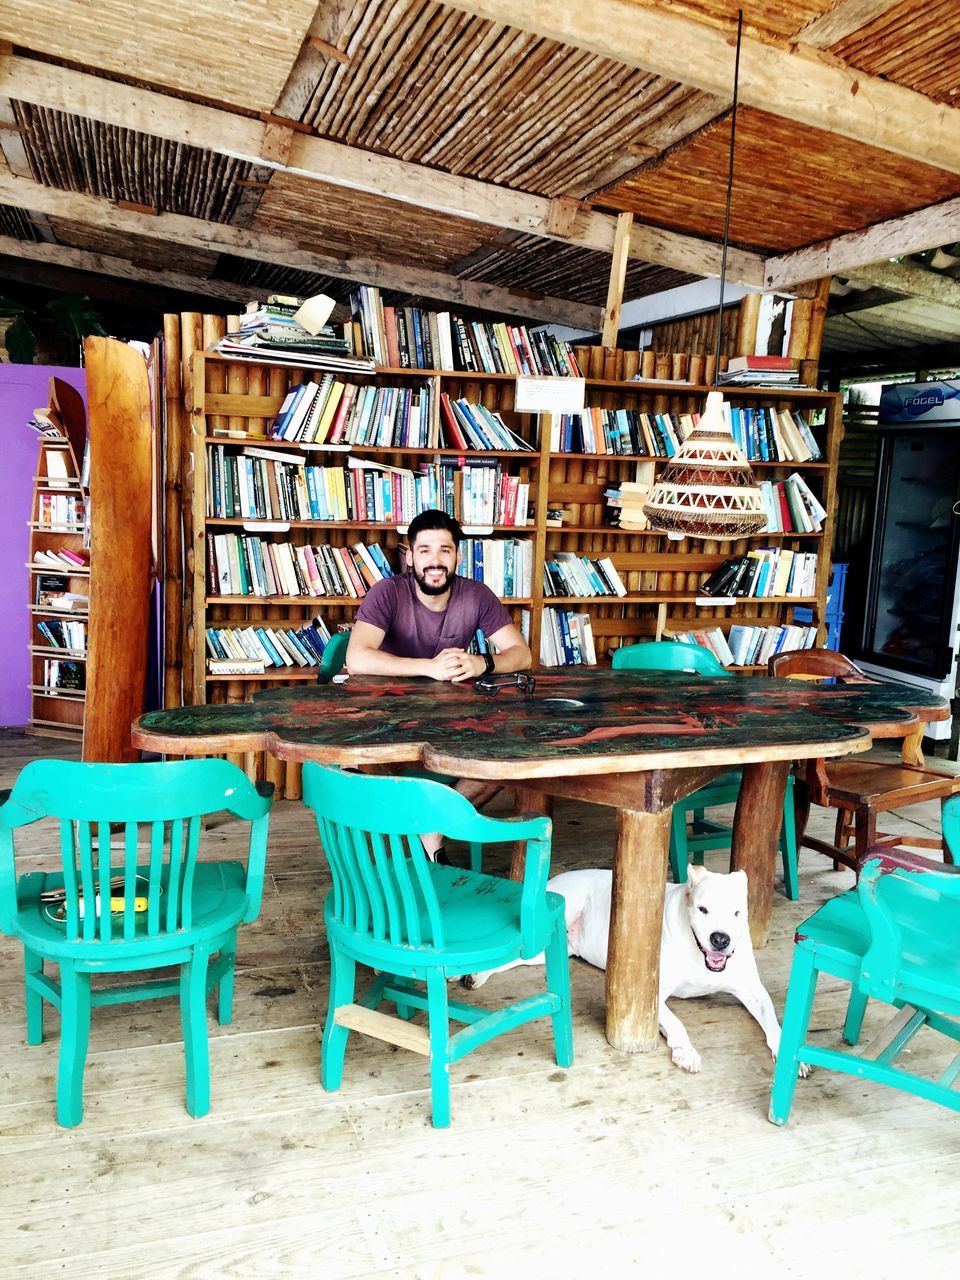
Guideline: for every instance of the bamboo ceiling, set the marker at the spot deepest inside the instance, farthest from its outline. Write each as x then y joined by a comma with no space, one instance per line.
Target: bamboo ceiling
428,85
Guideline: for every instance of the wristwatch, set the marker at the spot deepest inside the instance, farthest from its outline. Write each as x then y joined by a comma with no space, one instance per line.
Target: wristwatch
491,665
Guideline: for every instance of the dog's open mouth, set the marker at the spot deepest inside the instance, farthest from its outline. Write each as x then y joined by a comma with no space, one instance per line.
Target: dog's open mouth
716,961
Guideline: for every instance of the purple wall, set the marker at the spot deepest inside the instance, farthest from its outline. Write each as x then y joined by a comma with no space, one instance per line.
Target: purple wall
23,388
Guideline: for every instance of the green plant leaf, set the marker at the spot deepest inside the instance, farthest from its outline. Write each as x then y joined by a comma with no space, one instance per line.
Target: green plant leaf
9,307
20,342
76,315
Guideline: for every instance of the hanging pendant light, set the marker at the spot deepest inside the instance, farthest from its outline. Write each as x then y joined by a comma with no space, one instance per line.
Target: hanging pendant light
708,490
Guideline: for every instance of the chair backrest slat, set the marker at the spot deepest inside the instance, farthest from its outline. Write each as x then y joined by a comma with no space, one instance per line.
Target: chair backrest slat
103,884
155,877
368,882
387,884
174,863
400,858
189,867
130,838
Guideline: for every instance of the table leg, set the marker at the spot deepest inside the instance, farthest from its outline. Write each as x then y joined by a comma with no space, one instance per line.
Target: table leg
636,922
532,803
756,829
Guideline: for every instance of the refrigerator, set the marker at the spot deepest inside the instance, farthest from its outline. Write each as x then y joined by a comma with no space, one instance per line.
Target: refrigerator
912,604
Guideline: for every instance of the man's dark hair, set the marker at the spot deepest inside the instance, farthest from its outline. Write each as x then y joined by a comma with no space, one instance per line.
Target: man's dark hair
434,519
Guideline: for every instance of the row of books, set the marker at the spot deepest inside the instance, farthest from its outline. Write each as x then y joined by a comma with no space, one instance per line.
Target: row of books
413,338
63,675
52,591
63,634
566,638
335,412
750,646
791,506
252,650
504,564
61,511
763,434
243,565
276,331
256,484
568,574
62,561
765,571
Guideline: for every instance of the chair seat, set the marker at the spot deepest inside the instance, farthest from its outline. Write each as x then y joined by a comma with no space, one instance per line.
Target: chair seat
884,786
481,922
839,935
218,904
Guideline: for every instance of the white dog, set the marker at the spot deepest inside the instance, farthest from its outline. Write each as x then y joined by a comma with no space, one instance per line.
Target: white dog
705,946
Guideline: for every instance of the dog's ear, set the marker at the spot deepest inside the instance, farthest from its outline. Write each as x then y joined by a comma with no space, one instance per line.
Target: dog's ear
695,874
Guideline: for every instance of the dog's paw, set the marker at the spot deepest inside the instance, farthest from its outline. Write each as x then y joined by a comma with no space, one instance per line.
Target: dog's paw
686,1058
803,1070
474,980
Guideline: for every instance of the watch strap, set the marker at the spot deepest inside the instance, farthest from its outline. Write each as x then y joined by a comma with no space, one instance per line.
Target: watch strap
491,665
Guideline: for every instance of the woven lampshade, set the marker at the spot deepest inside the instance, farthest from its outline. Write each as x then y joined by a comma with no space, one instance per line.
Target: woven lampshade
707,490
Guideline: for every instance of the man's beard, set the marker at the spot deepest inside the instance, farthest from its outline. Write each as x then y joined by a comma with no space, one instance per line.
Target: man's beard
433,588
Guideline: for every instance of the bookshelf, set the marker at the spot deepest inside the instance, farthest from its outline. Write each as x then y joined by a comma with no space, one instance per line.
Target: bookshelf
59,576
233,404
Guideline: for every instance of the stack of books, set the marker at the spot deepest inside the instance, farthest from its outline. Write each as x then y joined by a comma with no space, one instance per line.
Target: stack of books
241,565
53,592
474,426
504,564
626,502
748,645
62,561
412,338
64,677
791,506
568,574
764,572
768,371
566,638
61,512
273,332
253,650
64,635
331,412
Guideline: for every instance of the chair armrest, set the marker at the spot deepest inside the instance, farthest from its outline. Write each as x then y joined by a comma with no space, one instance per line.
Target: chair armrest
893,858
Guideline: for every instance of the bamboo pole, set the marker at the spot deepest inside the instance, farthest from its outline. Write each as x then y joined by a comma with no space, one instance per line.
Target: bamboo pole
748,318
172,531
618,275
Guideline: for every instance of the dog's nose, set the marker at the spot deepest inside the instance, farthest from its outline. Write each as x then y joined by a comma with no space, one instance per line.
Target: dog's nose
719,941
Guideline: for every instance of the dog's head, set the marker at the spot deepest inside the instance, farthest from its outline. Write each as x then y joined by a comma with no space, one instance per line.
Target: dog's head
716,907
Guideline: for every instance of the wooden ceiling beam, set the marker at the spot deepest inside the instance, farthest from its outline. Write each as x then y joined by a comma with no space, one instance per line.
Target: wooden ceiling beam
790,80
243,242
912,233
228,133
103,264
842,20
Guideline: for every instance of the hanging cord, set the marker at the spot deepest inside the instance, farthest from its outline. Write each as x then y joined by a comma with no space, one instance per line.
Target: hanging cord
726,218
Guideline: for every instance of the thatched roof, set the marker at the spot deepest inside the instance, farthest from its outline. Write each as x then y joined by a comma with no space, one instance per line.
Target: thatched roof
474,153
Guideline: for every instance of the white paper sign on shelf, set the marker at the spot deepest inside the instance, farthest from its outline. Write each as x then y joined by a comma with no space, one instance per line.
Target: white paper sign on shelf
315,312
550,395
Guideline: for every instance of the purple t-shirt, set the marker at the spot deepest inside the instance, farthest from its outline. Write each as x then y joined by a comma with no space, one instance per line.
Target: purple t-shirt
411,630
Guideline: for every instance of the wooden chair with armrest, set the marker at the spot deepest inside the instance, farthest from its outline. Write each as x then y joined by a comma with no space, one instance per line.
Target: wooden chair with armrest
861,787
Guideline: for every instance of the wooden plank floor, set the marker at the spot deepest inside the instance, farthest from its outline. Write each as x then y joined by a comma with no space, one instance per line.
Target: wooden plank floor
624,1163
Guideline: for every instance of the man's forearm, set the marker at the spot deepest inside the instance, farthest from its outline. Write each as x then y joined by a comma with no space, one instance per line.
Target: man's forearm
374,662
516,658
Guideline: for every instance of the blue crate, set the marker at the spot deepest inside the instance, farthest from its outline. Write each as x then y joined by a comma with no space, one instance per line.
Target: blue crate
834,611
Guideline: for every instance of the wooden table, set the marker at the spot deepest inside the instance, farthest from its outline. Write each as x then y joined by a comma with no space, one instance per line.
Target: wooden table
635,741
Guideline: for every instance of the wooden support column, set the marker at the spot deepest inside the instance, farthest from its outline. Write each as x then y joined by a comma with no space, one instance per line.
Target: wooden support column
618,274
756,830
530,804
747,322
810,359
636,923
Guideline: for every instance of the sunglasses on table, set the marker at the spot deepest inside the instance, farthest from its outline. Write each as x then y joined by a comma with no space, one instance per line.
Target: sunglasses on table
491,685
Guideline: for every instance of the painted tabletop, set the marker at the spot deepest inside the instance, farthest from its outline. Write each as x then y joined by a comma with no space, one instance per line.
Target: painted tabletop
576,722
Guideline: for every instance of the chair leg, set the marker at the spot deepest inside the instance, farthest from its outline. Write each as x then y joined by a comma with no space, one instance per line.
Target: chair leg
193,1017
33,1000
788,845
438,1015
866,831
855,1011
558,984
74,1040
947,855
343,978
476,856
796,1016
678,844
696,817
225,986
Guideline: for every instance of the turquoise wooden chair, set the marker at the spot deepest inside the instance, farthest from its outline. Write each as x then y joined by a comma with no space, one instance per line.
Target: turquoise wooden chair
166,908
333,657
417,922
893,938
702,833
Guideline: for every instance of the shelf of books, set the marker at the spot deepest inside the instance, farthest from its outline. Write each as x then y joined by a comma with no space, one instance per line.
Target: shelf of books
59,576
310,460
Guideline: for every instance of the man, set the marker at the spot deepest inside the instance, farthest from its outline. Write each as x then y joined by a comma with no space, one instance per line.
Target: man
420,624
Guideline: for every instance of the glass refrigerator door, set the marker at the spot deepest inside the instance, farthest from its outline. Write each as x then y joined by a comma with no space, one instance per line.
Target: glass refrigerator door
914,556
